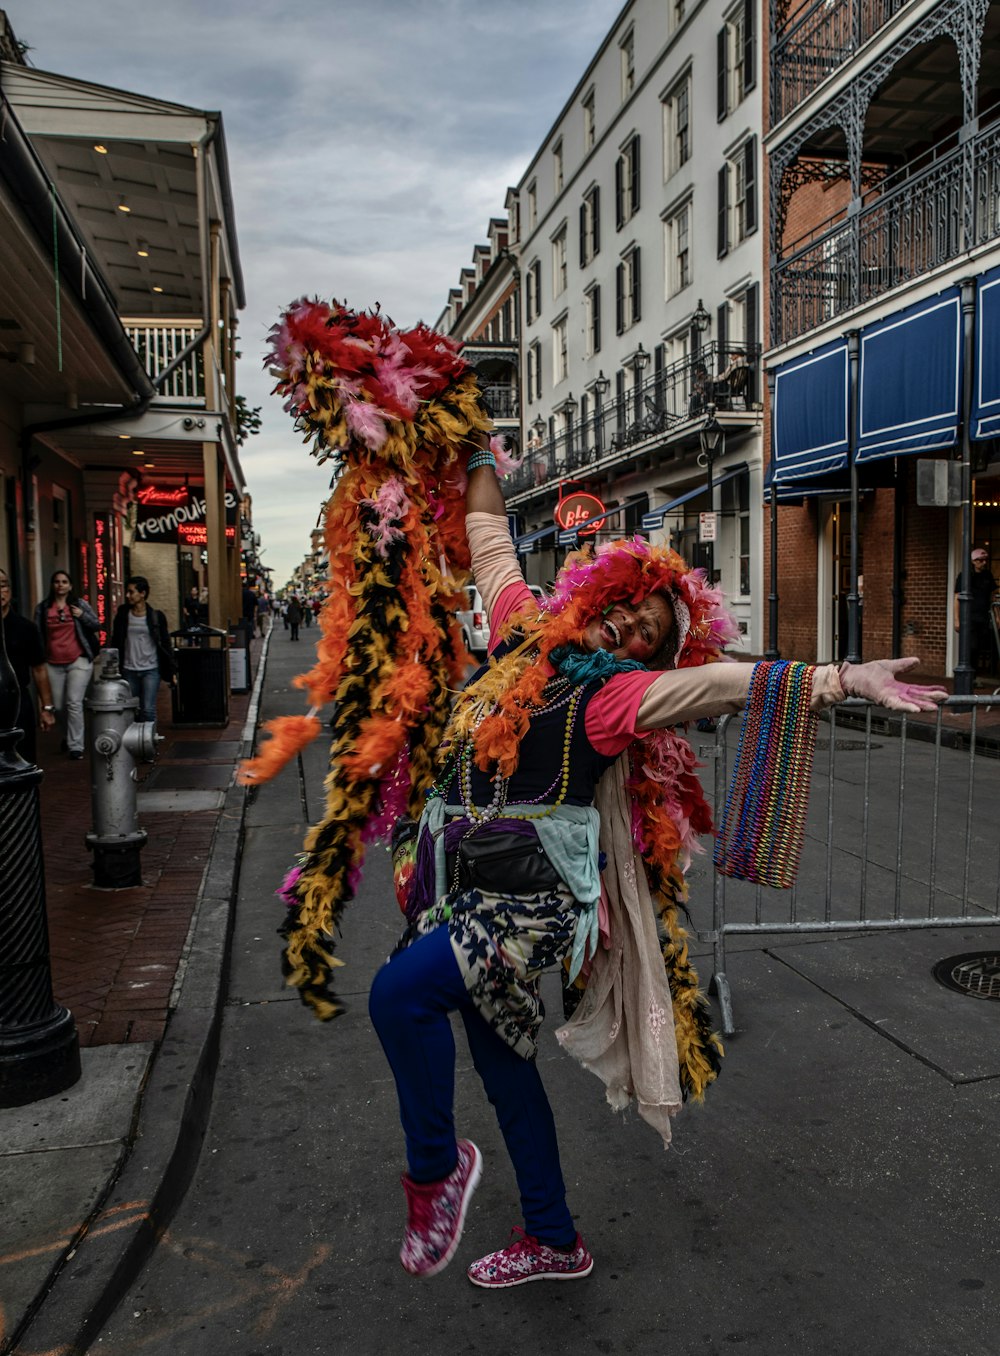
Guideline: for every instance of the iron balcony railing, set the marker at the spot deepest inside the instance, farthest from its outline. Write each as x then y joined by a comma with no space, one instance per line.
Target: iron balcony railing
502,401
816,41
159,345
907,226
722,375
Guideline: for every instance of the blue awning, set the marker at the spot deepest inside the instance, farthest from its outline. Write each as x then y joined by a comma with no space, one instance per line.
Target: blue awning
525,543
836,486
910,380
809,414
654,518
986,377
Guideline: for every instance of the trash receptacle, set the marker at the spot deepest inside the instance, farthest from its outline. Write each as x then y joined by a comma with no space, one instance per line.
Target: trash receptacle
201,692
239,658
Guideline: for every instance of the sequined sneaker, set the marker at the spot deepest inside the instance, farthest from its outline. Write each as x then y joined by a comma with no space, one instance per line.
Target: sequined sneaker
435,1214
525,1259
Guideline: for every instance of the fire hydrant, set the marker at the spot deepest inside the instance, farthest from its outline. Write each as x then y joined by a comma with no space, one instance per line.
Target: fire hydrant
118,744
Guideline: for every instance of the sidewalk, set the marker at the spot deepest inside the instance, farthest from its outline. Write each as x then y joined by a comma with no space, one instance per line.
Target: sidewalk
119,959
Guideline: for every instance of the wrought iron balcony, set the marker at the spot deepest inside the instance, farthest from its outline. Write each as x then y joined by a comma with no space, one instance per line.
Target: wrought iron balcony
906,227
817,41
662,409
503,401
159,345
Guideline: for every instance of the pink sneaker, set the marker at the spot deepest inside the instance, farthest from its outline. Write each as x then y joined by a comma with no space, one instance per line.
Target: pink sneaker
525,1259
435,1214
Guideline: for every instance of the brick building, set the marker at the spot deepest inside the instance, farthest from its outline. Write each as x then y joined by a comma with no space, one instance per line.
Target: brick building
883,322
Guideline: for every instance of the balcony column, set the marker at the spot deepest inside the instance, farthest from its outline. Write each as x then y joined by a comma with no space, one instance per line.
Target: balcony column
215,523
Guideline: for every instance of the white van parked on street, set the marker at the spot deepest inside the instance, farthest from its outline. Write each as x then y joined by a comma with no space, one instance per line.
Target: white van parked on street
475,623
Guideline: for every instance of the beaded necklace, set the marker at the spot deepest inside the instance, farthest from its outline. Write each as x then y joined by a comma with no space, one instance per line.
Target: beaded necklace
559,694
760,839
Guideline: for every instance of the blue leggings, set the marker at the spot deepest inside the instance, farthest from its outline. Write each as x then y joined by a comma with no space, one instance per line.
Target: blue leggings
411,998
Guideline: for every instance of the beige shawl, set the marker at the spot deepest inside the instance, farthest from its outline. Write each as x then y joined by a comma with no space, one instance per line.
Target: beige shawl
623,1029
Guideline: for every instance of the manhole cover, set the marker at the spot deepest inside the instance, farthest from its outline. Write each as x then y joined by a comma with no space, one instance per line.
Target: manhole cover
973,974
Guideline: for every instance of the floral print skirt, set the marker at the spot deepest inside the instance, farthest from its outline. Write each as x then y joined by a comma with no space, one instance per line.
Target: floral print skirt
502,944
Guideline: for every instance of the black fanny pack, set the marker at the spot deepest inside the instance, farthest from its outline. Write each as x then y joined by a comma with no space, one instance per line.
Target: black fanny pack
502,863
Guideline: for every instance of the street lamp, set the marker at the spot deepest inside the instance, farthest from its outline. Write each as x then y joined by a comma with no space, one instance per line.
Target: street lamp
712,437
701,319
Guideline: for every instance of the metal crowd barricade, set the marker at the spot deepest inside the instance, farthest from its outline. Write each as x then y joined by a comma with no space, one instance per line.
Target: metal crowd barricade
901,833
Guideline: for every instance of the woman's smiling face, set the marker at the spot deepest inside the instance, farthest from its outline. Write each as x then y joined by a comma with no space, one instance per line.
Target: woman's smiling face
632,631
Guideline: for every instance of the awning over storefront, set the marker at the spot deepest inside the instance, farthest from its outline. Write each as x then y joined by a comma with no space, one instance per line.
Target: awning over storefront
986,378
810,414
654,519
525,543
910,380
835,486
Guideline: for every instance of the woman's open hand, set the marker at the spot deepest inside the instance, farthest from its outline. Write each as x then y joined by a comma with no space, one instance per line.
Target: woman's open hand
878,682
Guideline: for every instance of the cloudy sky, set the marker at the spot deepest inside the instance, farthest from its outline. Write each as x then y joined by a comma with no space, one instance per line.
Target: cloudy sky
370,141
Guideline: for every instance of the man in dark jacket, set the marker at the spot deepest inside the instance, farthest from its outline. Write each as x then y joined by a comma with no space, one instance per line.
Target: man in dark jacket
294,615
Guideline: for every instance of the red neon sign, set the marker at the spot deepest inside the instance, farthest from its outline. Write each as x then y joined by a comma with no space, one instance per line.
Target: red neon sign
196,534
577,510
101,572
160,495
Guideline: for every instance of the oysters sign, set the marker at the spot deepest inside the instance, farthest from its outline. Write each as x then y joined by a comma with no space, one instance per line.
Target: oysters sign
580,512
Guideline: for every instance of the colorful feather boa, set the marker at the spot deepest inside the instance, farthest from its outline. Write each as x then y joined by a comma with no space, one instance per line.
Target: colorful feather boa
397,412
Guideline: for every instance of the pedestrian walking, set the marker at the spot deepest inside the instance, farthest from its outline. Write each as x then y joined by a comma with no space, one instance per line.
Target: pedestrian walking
26,654
293,613
69,629
562,750
139,634
263,607
307,612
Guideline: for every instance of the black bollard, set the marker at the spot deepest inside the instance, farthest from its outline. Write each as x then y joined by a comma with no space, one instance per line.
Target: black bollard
39,1046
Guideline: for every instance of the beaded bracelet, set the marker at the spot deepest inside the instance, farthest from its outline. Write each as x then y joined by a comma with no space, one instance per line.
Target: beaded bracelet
482,458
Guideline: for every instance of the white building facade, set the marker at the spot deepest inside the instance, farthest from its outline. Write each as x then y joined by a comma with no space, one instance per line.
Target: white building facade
636,231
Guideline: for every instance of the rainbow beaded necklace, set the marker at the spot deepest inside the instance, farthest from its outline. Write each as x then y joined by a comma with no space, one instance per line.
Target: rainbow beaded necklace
760,839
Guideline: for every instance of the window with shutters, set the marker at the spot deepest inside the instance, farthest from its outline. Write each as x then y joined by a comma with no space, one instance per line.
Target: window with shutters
590,225
532,206
736,57
589,121
626,53
592,305
533,291
533,371
559,262
741,192
627,182
677,242
557,167
560,353
628,290
677,127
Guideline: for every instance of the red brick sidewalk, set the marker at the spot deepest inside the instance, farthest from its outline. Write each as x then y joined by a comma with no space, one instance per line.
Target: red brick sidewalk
115,953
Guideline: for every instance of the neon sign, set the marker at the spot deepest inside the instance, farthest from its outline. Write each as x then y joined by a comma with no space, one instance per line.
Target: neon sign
101,572
578,510
162,496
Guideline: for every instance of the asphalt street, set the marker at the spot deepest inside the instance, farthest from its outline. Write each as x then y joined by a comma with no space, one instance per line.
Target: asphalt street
837,1192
